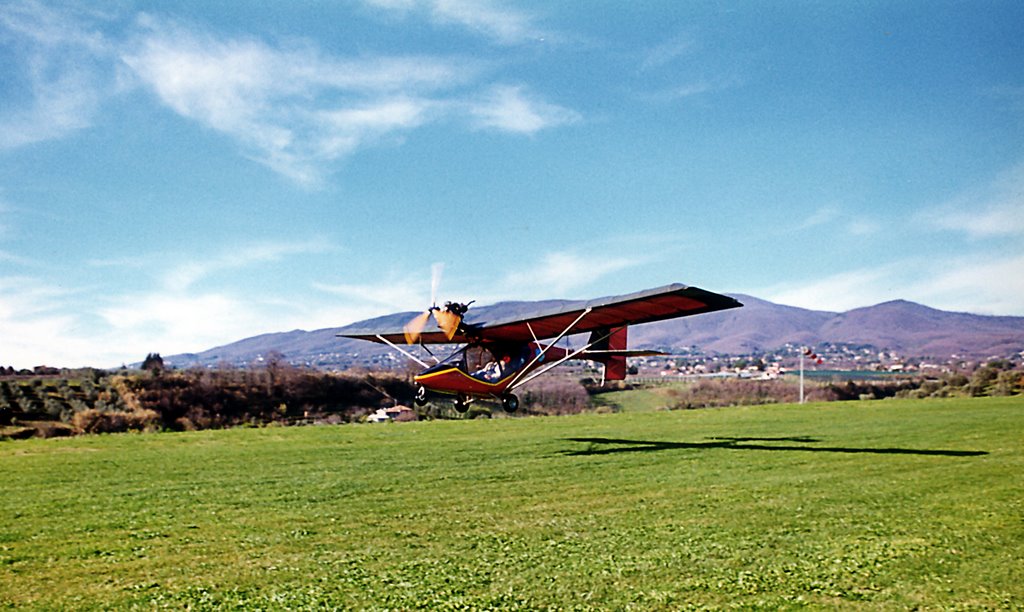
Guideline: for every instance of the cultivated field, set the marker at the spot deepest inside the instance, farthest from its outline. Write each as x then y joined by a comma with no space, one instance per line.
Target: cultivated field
887,504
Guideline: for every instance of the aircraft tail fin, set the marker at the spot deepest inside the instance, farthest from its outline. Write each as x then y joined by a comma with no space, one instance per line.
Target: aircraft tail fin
609,348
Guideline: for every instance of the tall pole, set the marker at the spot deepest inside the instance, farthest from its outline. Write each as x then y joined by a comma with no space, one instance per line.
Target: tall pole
801,377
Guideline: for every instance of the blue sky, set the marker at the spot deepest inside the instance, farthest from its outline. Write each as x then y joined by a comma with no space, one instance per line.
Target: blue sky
179,175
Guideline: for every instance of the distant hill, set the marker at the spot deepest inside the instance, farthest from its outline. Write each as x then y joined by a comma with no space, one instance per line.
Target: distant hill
906,327
760,326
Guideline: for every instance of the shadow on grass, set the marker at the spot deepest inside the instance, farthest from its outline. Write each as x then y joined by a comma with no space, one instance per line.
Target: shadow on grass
609,446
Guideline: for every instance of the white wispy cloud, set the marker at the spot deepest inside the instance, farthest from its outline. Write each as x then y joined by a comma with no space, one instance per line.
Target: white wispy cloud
171,320
26,296
821,216
835,216
14,258
291,109
395,291
504,24
37,328
7,231
296,109
997,218
673,71
837,292
60,105
668,52
501,24
667,94
4,227
393,294
560,274
983,284
863,226
52,322
62,68
186,272
989,211
162,319
512,109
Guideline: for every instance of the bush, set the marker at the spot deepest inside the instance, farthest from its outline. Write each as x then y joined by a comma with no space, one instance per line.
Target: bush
112,421
983,381
202,399
554,395
714,393
1009,382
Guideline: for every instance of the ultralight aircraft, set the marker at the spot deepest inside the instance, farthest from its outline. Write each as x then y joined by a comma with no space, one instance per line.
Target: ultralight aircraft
498,356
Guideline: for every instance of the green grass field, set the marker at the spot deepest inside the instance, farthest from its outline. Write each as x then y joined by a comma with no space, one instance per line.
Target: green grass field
891,504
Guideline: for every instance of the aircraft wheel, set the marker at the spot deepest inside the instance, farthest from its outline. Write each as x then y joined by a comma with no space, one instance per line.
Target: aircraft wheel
461,404
510,403
421,395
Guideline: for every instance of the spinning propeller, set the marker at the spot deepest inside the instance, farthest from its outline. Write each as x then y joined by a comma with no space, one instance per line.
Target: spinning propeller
448,317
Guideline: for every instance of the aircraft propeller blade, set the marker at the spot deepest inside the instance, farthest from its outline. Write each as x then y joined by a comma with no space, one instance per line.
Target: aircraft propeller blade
448,318
414,328
447,321
435,280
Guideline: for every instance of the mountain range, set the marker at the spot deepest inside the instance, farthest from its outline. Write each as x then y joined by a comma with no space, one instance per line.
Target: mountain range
910,329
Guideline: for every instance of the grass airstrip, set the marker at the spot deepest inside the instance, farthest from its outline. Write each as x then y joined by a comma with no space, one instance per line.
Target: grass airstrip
887,504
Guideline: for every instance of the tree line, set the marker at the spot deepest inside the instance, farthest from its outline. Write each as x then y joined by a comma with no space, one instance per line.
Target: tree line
157,398
161,399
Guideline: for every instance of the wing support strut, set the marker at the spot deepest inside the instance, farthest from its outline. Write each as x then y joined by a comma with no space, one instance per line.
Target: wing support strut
402,351
540,355
532,333
517,383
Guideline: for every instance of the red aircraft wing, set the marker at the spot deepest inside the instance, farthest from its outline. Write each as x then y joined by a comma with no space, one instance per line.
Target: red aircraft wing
391,328
667,302
549,321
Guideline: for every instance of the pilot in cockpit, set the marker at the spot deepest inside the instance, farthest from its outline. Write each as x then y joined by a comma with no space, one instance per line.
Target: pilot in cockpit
494,370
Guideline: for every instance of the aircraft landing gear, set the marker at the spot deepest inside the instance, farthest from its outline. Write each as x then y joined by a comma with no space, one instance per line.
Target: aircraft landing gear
462,403
421,395
510,402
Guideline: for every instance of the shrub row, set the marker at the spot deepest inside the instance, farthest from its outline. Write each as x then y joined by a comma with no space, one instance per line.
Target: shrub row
198,399
985,381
